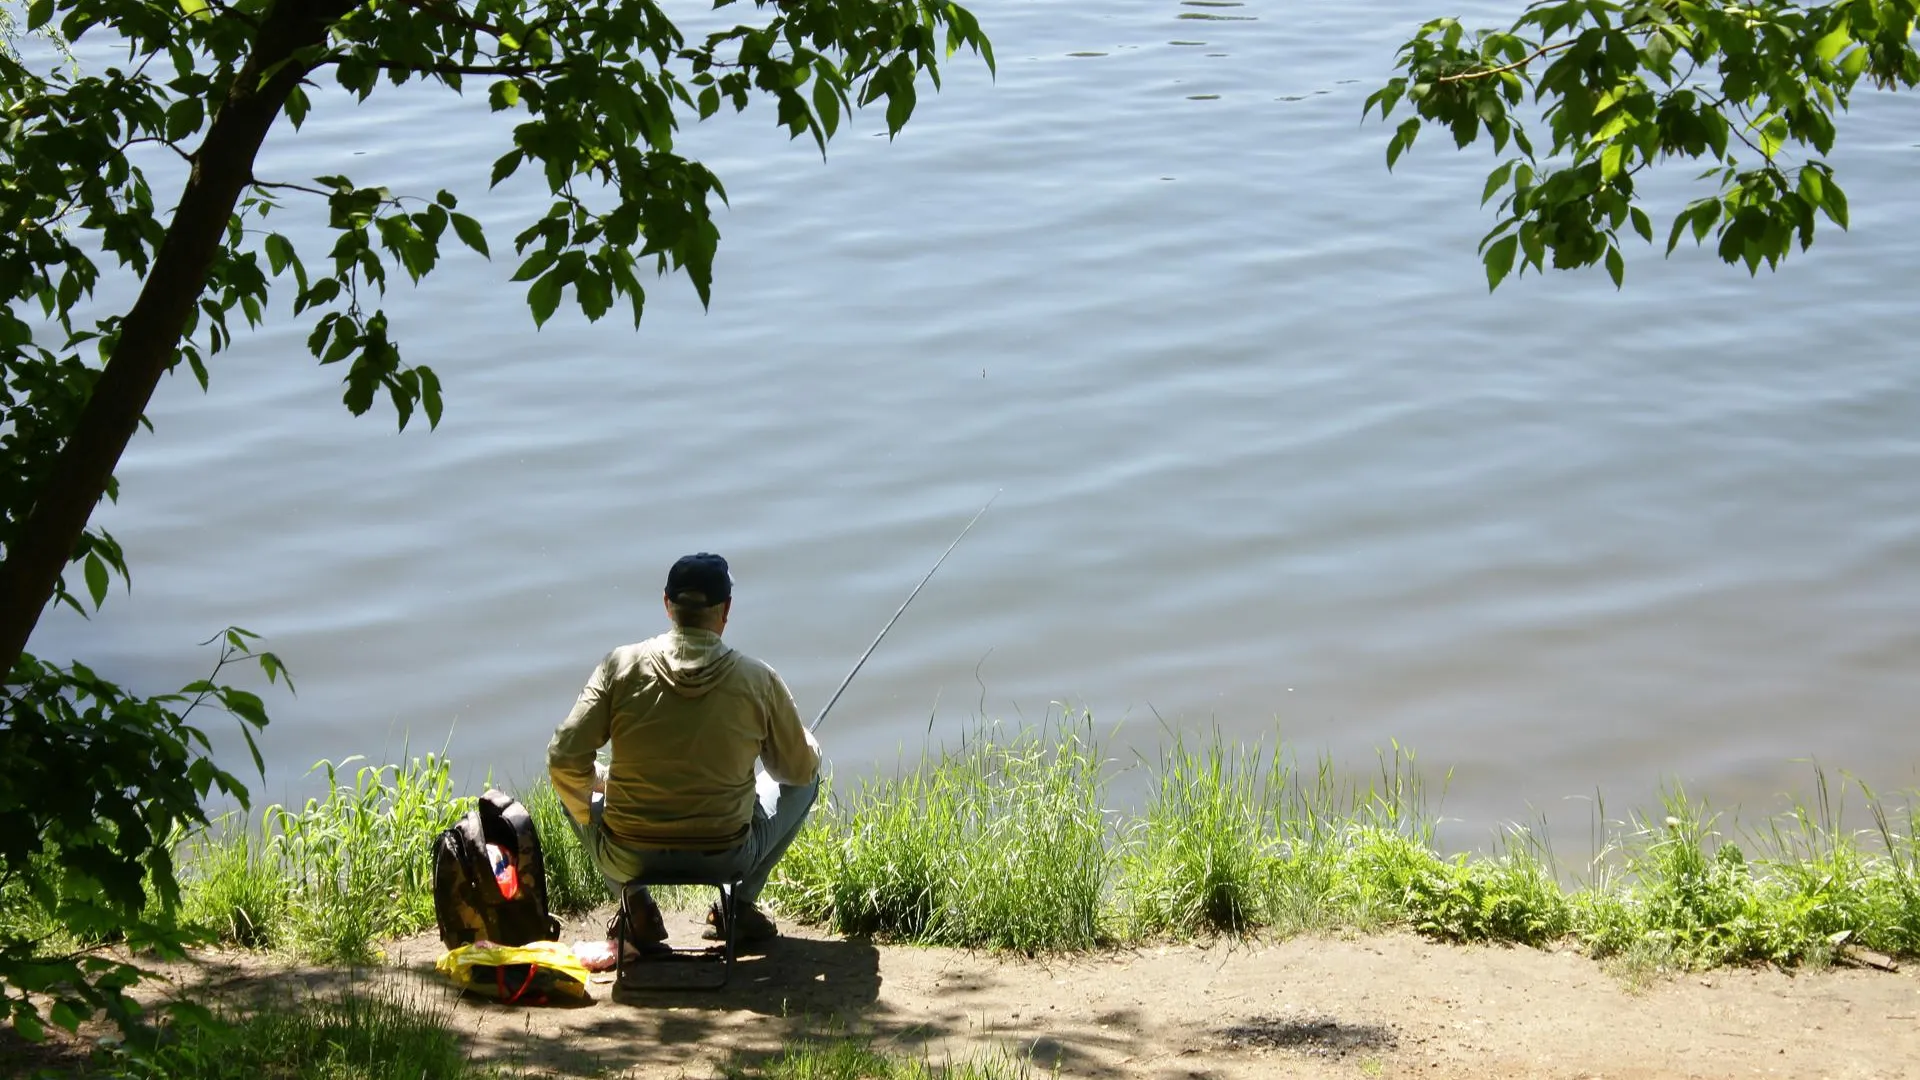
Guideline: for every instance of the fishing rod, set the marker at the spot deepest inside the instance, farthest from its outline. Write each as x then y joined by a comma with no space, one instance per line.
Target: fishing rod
815,726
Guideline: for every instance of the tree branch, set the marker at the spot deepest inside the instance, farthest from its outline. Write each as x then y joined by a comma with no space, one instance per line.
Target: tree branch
277,185
451,14
1485,73
510,70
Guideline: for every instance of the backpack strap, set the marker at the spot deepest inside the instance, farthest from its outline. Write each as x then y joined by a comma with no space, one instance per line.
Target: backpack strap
500,980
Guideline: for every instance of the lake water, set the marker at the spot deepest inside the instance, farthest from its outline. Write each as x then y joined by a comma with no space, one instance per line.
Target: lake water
1269,456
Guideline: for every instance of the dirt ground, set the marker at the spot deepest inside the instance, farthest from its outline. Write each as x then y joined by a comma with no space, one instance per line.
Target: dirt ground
1377,1006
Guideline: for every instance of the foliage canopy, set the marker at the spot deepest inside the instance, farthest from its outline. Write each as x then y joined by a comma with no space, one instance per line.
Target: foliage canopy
1749,90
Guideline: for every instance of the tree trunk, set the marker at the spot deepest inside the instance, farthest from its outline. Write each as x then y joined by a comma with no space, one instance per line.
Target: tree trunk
150,334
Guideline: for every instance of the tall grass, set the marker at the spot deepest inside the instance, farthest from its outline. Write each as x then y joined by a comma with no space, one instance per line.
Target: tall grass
360,860
331,880
986,844
236,888
1206,844
1007,841
334,878
1000,843
574,885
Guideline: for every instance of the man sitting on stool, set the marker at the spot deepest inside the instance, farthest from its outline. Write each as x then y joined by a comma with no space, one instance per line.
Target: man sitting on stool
687,715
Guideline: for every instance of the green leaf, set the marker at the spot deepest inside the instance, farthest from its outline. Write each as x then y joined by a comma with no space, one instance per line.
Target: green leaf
1497,179
279,252
1836,203
503,95
429,397
297,106
184,117
1499,259
544,296
505,167
1833,43
1773,134
1642,224
96,571
1658,51
27,1022
1610,160
1616,266
536,264
826,103
1852,64
1402,139
899,106
470,234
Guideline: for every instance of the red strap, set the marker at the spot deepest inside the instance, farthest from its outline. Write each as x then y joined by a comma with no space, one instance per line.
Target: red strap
500,978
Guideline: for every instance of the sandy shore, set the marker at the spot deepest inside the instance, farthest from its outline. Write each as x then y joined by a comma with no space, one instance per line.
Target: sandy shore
1376,1006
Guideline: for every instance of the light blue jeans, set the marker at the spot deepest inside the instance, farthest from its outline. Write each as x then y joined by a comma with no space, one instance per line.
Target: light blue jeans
778,812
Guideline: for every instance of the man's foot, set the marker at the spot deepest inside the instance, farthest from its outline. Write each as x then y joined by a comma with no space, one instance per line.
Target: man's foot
754,927
646,930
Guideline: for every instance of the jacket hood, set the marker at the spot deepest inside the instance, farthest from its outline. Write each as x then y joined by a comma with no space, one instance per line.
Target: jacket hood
690,662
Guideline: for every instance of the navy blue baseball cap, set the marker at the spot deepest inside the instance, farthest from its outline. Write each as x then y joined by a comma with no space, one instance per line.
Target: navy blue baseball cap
700,580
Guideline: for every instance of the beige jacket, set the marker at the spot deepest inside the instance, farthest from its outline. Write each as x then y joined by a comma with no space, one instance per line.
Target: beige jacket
686,715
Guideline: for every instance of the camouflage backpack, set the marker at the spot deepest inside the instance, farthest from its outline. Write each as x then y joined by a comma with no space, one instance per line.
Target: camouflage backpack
470,901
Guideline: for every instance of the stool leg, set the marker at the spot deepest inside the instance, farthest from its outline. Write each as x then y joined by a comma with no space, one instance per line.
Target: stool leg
730,915
620,923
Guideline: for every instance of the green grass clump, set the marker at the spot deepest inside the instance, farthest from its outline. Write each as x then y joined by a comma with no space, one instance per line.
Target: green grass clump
1513,898
377,1035
1677,893
1204,849
1001,843
236,889
574,885
856,1059
361,859
334,878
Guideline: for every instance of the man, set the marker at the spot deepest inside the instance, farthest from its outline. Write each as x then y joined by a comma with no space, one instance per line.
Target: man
686,716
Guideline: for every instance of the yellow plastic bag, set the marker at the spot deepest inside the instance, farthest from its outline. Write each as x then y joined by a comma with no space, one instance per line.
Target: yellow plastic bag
537,973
